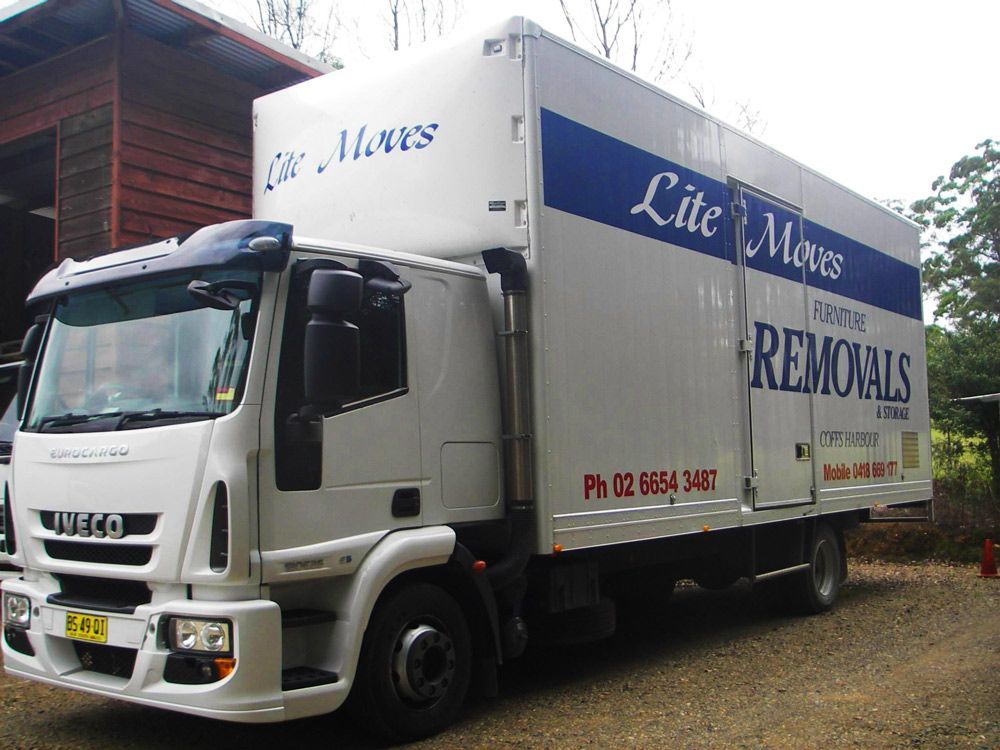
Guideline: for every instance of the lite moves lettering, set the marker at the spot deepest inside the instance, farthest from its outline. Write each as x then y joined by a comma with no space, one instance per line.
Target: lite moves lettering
287,165
805,253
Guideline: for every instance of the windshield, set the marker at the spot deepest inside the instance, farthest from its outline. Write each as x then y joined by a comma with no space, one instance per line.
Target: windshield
142,354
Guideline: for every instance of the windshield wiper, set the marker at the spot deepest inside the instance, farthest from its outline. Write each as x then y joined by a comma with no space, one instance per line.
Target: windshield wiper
69,418
155,415
124,417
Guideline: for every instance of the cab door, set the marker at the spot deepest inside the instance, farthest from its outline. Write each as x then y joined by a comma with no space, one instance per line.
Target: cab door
345,476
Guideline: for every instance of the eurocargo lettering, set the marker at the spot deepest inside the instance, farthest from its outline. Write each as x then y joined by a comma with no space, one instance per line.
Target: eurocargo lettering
512,338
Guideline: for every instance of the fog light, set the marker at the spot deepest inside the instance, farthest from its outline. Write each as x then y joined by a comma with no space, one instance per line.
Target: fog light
199,635
17,610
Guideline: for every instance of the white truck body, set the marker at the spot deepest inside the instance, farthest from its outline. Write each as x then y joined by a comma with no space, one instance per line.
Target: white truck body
722,344
637,315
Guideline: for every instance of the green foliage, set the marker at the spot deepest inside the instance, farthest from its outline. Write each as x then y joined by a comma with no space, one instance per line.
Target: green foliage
963,223
966,362
962,233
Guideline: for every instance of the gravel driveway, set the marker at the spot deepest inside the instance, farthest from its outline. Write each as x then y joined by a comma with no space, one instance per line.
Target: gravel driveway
909,658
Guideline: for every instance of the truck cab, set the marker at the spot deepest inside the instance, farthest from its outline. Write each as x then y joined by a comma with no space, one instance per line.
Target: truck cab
227,438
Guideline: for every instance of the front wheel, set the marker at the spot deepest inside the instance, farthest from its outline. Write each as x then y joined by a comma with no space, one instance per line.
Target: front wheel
415,664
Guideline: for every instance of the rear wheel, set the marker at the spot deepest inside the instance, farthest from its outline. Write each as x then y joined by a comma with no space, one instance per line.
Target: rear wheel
415,664
816,589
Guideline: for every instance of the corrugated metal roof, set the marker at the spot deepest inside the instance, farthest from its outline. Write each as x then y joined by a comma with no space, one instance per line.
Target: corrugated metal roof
33,31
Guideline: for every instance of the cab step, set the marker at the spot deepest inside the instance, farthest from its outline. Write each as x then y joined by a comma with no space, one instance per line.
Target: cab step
298,678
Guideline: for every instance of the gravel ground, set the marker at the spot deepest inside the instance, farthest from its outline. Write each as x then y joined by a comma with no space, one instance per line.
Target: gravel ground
909,658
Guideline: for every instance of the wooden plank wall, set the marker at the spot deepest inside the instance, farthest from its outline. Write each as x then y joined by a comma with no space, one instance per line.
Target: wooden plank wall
85,183
40,96
61,92
185,143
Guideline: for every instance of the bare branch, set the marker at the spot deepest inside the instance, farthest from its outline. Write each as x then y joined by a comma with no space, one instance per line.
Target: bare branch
699,95
617,29
569,20
750,119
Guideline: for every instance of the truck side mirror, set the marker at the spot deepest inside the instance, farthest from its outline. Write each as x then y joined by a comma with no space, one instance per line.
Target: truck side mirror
29,352
332,357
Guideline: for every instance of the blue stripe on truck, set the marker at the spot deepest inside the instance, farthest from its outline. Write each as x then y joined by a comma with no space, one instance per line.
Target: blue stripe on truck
592,175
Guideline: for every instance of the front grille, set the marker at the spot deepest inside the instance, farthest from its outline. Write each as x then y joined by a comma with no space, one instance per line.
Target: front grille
110,660
136,524
101,554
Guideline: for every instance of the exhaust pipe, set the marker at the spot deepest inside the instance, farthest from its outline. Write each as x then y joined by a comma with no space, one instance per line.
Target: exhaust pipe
517,438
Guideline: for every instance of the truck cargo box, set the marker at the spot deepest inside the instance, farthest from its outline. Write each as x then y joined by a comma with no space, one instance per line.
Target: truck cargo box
720,335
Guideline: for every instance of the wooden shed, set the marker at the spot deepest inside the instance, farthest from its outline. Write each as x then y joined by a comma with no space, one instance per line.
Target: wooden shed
122,121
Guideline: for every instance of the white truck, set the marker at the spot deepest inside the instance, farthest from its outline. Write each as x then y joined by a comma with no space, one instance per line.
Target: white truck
514,334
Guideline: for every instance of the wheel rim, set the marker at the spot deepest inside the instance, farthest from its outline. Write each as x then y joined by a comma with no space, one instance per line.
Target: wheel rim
824,569
423,663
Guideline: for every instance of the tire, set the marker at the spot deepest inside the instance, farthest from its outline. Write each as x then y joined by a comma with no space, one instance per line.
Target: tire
415,664
816,589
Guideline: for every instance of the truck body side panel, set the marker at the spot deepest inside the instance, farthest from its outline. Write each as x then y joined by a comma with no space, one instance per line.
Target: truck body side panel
637,337
779,353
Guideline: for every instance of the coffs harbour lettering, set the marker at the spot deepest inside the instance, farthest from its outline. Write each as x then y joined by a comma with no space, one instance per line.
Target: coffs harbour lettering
351,145
791,359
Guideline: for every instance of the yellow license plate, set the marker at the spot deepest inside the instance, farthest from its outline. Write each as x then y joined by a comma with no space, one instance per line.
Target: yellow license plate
86,627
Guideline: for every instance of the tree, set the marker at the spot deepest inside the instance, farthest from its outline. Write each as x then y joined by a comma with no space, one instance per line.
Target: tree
417,21
302,25
966,362
619,30
962,223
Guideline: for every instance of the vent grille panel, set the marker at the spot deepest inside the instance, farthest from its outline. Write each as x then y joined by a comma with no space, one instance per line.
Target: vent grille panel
911,450
100,554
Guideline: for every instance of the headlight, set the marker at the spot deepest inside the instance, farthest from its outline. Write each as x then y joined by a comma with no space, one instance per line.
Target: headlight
16,610
200,635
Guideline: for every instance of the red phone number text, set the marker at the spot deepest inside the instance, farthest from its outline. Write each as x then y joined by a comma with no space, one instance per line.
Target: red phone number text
647,483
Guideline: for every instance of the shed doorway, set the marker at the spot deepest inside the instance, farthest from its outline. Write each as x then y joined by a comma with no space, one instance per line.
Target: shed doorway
27,227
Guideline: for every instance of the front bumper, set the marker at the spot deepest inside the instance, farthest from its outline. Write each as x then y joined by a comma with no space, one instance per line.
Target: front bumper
251,693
